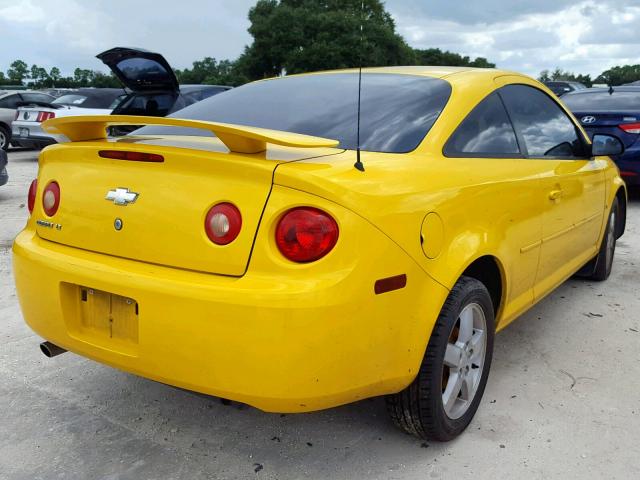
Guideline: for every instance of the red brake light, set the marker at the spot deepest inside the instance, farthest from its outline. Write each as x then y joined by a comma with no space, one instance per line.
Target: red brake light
51,198
630,127
31,197
306,234
44,116
223,223
133,156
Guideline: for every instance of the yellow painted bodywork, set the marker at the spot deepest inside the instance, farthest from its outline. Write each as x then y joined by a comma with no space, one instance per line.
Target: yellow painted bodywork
242,322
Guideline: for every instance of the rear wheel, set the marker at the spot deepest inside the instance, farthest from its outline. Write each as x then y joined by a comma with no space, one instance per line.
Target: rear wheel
603,263
5,138
443,398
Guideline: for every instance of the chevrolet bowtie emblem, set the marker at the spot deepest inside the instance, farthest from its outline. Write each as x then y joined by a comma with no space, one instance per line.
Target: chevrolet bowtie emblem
121,196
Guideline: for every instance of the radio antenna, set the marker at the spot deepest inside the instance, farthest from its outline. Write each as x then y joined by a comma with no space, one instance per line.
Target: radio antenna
359,165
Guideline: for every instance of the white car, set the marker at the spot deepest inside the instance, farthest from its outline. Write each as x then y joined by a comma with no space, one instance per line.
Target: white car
26,130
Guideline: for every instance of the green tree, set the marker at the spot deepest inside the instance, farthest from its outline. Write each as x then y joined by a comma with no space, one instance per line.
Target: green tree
18,72
562,75
39,77
209,71
295,36
619,75
435,56
55,76
83,77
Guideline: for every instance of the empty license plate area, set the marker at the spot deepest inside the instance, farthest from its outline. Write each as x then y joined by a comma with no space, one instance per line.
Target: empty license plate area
102,318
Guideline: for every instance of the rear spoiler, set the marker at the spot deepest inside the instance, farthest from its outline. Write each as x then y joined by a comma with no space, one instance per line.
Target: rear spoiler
237,138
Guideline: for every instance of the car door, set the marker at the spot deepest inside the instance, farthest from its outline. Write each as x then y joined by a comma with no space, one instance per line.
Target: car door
574,184
486,146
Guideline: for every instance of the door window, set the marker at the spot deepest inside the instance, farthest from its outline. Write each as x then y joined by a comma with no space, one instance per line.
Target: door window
485,132
545,129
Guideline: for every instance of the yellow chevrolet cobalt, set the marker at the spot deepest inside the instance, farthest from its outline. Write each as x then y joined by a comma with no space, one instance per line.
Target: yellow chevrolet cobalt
254,246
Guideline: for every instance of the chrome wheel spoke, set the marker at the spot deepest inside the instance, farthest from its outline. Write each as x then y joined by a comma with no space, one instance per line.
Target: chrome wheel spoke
450,394
477,345
466,390
466,324
453,356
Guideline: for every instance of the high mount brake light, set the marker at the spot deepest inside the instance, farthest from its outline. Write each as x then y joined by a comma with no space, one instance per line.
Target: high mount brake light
223,223
306,234
132,156
51,198
31,197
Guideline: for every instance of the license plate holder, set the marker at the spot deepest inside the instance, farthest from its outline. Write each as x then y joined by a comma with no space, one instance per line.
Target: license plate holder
104,319
24,132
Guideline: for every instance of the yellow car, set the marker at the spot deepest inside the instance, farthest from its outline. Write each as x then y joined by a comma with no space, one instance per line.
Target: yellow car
265,247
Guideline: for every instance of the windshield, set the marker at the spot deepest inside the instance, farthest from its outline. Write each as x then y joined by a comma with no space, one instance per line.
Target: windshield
397,111
602,100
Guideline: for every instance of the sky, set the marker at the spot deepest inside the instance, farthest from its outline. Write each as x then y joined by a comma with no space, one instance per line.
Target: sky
582,36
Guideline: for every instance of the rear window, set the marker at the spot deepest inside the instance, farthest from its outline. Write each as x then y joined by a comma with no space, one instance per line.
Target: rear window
142,70
70,100
397,111
602,100
99,98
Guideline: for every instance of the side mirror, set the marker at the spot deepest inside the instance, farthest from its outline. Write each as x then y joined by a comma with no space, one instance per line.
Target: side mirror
605,145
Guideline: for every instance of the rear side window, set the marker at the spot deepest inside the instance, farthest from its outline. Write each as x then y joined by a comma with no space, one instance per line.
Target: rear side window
10,101
485,132
544,127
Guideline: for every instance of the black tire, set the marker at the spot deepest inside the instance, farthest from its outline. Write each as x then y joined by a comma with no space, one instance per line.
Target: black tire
5,138
419,409
603,263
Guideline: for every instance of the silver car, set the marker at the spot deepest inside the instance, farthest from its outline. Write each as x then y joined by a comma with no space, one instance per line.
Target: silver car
9,102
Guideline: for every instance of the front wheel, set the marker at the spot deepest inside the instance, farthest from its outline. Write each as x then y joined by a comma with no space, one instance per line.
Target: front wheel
5,138
443,398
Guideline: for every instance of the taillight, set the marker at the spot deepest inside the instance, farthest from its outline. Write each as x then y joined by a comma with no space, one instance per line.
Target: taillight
630,127
15,117
306,234
133,156
44,116
51,198
223,223
31,197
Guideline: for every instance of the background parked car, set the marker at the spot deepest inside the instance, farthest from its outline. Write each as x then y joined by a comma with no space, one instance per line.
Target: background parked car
4,176
561,87
56,92
153,84
9,102
614,111
26,128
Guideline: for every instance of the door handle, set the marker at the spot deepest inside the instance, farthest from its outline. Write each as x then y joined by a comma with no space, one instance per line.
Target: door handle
555,194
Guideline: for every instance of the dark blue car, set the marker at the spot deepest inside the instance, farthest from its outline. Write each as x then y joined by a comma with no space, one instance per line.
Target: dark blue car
614,111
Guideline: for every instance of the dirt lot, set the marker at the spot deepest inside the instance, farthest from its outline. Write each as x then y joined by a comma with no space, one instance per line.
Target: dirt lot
563,401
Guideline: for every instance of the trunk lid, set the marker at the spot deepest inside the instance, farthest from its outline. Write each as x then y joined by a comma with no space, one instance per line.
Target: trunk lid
140,70
165,223
609,123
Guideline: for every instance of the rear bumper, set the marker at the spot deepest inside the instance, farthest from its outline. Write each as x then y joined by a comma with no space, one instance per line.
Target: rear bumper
36,138
282,344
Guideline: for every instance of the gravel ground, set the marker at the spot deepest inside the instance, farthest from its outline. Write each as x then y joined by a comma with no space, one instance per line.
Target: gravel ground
563,401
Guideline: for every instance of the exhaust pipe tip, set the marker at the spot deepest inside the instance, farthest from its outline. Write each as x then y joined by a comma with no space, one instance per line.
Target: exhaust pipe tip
51,350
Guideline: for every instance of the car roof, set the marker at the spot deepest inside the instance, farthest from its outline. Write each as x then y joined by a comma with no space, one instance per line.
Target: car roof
612,90
194,87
